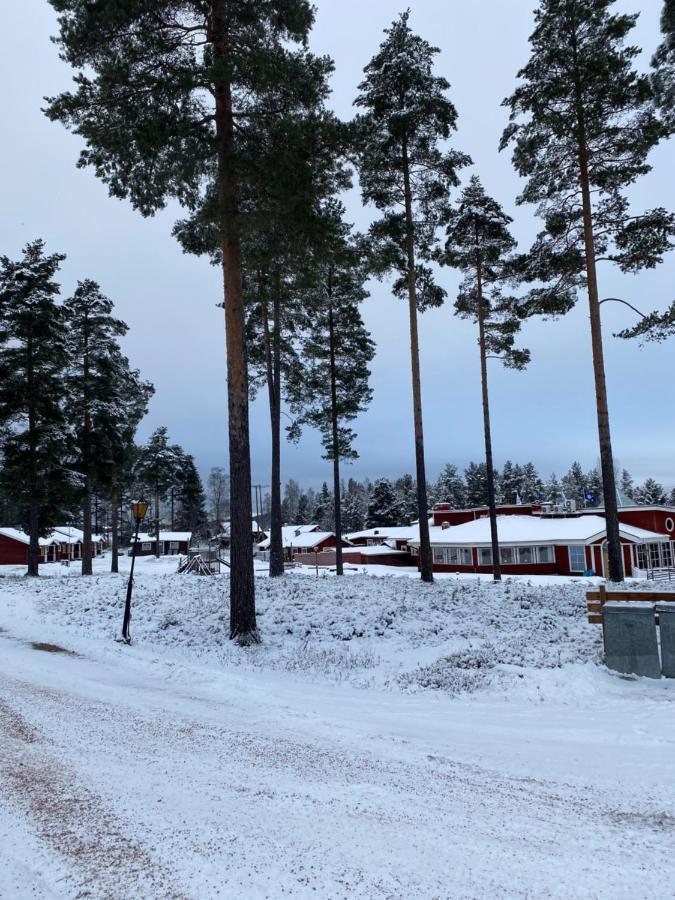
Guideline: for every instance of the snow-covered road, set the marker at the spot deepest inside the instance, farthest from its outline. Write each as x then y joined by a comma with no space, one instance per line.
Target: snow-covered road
127,776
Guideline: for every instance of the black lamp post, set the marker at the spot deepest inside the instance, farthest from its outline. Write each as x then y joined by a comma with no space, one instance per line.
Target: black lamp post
138,510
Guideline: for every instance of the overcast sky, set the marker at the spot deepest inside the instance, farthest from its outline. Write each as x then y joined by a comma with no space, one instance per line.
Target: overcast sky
176,335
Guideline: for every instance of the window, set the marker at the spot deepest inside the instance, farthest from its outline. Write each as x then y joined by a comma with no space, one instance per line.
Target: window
485,556
507,555
439,555
452,556
544,554
465,556
667,554
174,545
577,558
670,525
525,555
146,545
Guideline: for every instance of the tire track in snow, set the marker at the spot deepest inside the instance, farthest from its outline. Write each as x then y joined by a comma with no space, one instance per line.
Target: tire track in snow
73,821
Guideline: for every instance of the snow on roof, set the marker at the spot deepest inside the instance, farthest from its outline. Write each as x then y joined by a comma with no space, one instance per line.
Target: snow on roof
72,534
289,535
16,534
377,549
309,539
387,532
533,530
166,536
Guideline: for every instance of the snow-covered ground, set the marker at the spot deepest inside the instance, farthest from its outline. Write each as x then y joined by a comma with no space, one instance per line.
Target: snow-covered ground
387,739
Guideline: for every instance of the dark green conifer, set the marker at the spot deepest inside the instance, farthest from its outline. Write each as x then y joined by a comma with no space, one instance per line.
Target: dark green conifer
165,91
36,441
480,245
406,171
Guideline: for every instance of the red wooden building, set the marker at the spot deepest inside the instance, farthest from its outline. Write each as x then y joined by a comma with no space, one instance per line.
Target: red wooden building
539,539
171,543
14,545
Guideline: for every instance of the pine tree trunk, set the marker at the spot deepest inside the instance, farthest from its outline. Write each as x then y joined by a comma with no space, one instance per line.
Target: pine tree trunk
114,530
426,565
614,552
86,456
243,626
34,536
87,568
490,472
273,353
158,546
34,507
337,501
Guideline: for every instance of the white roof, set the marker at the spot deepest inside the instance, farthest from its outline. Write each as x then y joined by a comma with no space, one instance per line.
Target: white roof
166,536
387,532
534,530
289,535
72,534
15,534
309,539
377,550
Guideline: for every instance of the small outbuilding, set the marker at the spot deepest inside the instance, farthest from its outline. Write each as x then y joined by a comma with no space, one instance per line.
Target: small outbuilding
171,543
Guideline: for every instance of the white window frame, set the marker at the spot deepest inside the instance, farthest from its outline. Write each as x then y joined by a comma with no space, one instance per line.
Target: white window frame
527,562
573,568
146,545
481,551
512,551
551,552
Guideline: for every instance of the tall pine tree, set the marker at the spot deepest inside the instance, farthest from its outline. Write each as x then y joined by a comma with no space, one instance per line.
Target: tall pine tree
92,345
406,172
36,441
332,388
480,246
165,90
583,123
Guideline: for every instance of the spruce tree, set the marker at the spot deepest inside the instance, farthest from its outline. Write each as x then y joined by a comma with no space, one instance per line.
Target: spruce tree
593,489
450,487
383,505
302,516
322,511
92,345
159,468
36,441
475,476
531,486
552,489
331,388
191,514
480,246
583,123
165,92
510,480
574,484
406,494
626,485
407,173
651,493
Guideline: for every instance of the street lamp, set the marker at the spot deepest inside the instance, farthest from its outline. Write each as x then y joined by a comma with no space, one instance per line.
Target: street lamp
138,510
